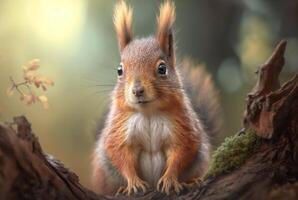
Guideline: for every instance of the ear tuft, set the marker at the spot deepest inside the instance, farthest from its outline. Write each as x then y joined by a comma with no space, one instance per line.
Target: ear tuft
122,22
165,22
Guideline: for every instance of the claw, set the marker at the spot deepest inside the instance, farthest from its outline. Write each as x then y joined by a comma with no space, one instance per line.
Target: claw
133,186
194,183
166,184
144,186
120,191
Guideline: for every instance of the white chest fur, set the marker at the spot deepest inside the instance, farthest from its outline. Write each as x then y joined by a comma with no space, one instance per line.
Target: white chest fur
150,132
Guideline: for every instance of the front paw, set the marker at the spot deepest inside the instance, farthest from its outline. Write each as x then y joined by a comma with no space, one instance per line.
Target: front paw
133,186
167,183
196,182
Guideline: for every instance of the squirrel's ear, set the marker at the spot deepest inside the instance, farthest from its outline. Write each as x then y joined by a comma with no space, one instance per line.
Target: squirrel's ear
122,22
164,28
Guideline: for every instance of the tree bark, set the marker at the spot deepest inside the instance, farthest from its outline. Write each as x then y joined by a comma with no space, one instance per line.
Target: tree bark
26,172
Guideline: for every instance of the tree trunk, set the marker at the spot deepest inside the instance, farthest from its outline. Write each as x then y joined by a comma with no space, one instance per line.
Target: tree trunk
271,172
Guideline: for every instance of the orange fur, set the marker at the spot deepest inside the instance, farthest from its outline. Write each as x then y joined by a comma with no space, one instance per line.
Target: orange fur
165,21
122,22
183,145
120,154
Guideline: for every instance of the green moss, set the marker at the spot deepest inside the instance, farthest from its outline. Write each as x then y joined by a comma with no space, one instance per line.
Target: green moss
232,153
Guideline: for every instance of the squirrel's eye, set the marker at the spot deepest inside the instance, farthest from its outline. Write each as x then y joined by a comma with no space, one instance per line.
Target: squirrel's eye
120,70
162,69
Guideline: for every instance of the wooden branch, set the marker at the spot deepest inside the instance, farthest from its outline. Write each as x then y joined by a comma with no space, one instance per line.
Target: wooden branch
271,172
267,104
28,173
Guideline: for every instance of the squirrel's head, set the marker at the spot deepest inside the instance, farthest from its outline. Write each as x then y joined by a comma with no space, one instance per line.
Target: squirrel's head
147,77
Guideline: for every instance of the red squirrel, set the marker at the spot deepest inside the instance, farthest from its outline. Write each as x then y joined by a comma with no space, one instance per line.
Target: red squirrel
154,135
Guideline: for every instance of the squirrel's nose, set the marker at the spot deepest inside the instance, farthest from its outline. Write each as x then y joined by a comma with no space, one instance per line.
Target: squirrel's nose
138,91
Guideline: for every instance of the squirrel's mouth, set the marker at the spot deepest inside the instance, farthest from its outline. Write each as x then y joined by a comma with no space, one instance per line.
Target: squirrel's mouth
143,102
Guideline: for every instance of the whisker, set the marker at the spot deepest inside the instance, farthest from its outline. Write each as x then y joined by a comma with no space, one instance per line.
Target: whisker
105,85
102,91
101,85
99,82
169,87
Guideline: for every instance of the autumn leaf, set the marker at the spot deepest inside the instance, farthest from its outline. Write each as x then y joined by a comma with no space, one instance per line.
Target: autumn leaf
29,98
33,65
48,81
44,88
29,76
31,80
37,81
44,100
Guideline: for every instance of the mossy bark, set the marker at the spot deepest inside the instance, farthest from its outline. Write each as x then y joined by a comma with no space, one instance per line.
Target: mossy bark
261,163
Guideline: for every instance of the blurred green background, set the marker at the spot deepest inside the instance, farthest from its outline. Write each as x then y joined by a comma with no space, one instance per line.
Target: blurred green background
77,47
